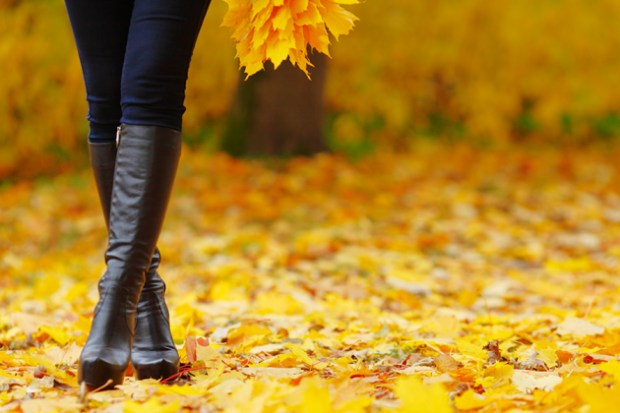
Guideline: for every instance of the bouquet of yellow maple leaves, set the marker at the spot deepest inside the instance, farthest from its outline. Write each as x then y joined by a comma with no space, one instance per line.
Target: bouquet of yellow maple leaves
279,29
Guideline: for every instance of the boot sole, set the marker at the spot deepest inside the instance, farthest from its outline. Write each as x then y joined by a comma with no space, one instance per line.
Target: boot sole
160,370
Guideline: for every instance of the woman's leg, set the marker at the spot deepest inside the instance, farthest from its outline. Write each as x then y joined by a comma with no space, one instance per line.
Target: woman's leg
160,45
100,28
159,48
157,53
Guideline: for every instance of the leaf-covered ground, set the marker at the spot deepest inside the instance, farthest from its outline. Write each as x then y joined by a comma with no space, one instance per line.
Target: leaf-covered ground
447,280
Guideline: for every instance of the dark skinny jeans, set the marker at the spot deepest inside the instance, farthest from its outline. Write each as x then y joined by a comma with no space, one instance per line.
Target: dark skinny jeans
135,57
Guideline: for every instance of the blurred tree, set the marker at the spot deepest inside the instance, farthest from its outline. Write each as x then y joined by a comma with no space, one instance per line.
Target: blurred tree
542,70
278,112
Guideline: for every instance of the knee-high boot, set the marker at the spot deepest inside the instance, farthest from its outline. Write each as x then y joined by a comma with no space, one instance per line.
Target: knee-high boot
145,167
153,354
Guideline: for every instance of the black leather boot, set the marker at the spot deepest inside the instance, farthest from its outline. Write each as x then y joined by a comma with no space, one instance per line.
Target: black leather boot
146,164
153,354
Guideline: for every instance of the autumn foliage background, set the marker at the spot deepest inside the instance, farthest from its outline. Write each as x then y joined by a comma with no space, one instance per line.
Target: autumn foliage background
474,70
459,249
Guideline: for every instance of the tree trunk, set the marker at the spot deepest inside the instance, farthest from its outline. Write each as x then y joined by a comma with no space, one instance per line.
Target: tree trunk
278,112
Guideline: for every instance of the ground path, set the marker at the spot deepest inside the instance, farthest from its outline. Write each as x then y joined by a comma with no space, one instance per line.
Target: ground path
448,279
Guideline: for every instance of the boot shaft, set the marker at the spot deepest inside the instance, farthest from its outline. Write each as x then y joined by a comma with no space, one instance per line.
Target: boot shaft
103,159
146,164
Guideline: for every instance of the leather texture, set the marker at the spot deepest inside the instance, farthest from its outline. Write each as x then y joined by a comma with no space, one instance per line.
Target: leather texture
102,161
153,354
146,163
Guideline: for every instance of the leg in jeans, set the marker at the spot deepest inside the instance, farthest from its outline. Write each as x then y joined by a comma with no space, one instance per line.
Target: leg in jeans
161,40
100,28
160,44
158,48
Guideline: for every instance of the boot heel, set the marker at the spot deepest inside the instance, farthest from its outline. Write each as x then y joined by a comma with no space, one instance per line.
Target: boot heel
97,372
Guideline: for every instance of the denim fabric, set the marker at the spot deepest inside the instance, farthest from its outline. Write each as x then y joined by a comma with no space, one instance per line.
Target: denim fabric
135,56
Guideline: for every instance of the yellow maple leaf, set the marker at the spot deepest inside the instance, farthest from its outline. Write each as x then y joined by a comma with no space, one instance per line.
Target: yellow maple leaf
499,371
418,398
279,29
151,406
599,399
548,355
281,360
304,357
338,20
57,334
316,398
612,368
248,335
469,400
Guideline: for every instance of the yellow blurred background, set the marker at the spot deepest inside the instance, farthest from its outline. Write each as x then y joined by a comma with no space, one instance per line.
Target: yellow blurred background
482,71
